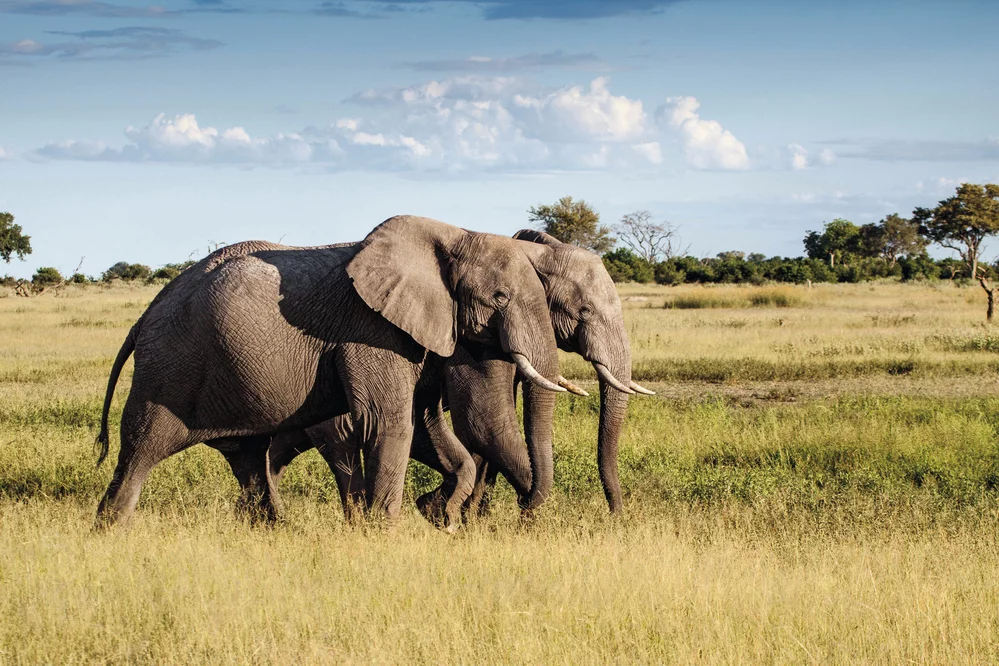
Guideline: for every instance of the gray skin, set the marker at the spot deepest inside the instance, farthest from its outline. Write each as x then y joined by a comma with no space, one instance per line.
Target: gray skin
480,386
260,338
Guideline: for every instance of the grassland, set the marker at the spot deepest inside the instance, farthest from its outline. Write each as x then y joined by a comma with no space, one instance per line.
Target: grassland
817,481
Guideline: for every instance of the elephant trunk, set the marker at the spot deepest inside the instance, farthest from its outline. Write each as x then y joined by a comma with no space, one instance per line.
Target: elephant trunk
605,344
613,405
539,414
536,355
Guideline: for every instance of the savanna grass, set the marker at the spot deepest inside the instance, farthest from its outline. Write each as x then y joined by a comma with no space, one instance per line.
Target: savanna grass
816,482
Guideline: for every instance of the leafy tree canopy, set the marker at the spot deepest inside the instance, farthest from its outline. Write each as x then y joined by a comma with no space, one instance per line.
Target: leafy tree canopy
573,222
838,238
963,221
12,239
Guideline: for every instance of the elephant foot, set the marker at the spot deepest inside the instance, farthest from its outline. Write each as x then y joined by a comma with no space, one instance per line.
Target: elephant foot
256,507
433,506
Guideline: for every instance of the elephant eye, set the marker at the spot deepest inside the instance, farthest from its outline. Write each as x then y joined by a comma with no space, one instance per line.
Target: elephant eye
585,312
501,297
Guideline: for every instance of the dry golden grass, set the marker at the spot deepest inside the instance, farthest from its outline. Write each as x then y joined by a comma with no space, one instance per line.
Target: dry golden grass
840,509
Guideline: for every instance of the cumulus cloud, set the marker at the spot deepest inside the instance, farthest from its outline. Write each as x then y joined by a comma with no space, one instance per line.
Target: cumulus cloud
706,144
458,124
798,157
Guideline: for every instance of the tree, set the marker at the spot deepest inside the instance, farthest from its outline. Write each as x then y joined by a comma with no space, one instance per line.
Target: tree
126,271
46,276
12,239
839,238
651,241
891,238
623,265
573,222
961,223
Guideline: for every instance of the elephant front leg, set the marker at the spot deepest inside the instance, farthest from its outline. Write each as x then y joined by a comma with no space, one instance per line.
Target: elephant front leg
385,433
435,445
335,441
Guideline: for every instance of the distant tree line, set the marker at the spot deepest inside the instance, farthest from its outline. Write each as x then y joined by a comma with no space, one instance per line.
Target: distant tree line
640,249
895,247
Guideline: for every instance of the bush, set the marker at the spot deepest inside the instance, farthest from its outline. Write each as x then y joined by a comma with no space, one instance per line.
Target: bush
165,273
623,265
669,274
80,278
126,271
46,276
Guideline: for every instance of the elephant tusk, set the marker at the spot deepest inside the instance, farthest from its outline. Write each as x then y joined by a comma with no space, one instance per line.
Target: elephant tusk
640,389
570,387
528,371
606,376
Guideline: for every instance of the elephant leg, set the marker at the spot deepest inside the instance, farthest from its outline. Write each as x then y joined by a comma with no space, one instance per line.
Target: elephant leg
149,434
248,458
436,446
335,441
478,503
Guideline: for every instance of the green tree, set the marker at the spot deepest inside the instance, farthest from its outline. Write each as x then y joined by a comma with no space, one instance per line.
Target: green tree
891,238
839,238
46,276
126,271
573,222
623,265
961,223
12,239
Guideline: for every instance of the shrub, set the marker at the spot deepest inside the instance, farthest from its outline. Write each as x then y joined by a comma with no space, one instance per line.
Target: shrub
79,278
669,274
623,265
126,271
46,276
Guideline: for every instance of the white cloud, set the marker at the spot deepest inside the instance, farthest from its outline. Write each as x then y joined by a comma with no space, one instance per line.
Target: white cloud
4,155
798,157
573,113
458,124
706,144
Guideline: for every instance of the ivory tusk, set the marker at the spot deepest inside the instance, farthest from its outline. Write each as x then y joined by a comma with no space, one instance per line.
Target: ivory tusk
570,387
606,376
528,371
640,389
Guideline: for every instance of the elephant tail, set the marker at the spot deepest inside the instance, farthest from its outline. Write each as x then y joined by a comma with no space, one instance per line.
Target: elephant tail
103,440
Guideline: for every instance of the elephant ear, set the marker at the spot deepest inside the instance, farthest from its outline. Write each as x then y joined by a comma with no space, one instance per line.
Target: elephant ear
402,271
534,236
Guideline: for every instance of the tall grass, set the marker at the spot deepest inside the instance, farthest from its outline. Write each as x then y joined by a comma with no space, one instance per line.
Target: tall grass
831,497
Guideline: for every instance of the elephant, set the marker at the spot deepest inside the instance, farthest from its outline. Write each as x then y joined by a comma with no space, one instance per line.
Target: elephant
260,338
480,386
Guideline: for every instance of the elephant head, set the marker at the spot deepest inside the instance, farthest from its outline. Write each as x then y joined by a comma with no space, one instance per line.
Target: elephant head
587,319
439,284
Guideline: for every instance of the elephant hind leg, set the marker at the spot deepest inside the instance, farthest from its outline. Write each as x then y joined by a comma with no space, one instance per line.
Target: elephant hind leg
248,458
334,439
478,503
149,434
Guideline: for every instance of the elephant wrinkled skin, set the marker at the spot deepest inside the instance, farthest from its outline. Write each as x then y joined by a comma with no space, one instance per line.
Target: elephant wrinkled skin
258,338
480,386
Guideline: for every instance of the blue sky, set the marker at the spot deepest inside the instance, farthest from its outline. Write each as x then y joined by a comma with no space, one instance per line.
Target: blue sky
144,132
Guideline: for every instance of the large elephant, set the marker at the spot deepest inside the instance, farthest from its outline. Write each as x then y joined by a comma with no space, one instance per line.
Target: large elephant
259,338
586,314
